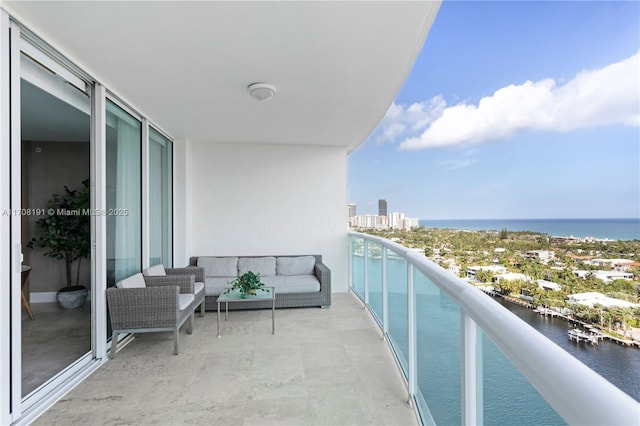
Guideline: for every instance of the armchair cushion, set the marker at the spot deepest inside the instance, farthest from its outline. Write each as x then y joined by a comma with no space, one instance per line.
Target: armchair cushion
134,281
184,300
155,271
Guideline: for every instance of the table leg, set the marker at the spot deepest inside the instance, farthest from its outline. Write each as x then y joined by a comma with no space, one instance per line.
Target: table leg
226,311
273,316
218,319
25,303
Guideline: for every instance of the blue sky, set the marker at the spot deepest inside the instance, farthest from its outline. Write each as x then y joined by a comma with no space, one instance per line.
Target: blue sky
513,110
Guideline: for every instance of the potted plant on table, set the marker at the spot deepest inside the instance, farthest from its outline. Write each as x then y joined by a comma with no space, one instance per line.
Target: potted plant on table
247,284
65,233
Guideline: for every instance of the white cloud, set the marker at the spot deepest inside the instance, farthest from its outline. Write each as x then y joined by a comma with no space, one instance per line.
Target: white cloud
610,95
400,121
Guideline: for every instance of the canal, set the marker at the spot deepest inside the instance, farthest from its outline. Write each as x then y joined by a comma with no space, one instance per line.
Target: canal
618,364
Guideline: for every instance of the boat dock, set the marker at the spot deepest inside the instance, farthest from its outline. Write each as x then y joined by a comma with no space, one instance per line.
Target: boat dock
547,312
592,331
575,334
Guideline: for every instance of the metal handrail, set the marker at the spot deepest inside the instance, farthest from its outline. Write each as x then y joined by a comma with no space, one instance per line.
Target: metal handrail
577,393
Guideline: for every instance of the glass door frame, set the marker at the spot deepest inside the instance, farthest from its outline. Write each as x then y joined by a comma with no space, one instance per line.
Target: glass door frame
28,408
5,221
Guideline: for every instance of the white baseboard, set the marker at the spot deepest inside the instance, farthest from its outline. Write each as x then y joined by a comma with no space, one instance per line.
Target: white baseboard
42,297
47,297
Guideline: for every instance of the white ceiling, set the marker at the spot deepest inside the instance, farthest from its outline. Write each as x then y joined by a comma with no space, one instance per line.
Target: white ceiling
45,118
337,66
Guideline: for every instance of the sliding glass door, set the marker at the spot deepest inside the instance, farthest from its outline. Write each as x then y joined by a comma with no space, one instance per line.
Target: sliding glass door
160,199
124,194
55,231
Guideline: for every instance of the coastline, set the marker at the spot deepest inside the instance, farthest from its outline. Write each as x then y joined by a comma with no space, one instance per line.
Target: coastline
621,229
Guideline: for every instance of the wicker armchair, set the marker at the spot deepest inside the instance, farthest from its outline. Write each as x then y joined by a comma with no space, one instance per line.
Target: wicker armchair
159,271
148,304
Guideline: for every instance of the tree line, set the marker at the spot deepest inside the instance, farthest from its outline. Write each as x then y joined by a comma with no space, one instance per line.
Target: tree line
478,248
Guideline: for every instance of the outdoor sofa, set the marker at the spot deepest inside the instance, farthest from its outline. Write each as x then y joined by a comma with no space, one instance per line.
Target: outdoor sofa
299,281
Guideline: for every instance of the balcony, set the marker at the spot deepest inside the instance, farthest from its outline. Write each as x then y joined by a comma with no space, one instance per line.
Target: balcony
461,357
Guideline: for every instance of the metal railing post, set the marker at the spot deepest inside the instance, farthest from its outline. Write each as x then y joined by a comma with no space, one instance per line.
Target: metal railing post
468,373
365,258
411,330
385,296
350,263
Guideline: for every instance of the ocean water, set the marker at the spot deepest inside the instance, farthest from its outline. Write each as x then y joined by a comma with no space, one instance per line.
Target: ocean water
613,229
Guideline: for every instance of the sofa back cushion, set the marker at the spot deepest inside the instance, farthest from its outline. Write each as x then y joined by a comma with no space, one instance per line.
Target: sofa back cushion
299,265
219,266
134,281
155,271
265,266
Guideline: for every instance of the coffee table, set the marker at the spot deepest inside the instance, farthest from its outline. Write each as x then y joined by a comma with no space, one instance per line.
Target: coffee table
235,296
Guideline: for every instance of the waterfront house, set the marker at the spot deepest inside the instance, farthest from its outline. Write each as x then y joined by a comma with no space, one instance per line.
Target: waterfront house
608,276
548,285
594,298
510,276
495,269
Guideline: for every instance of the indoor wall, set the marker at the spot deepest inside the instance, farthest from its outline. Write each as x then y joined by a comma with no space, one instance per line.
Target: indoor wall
269,200
50,166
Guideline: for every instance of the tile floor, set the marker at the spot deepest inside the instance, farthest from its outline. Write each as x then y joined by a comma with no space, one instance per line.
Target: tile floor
51,341
322,367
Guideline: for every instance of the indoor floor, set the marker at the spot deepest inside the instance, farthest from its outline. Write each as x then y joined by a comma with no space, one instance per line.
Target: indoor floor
52,340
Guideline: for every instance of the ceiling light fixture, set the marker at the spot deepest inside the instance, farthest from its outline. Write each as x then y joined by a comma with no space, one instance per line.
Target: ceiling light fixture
261,91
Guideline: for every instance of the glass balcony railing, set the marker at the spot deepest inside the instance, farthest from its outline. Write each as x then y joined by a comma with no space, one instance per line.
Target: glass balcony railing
468,360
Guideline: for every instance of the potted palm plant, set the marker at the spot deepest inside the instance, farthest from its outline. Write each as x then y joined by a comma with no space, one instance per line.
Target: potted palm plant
64,233
247,283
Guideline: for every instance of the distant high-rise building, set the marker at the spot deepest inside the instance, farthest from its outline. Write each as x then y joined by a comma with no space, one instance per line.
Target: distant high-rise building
351,208
382,207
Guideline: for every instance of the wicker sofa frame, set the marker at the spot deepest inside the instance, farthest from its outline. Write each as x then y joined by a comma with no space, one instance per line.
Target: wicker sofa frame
320,299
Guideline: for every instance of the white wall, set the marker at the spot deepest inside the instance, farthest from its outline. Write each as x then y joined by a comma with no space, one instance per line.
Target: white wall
181,217
269,200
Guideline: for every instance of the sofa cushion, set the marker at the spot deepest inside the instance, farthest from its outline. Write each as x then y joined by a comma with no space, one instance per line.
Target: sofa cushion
219,266
155,271
134,281
214,286
284,284
299,265
265,266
